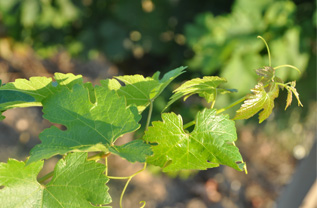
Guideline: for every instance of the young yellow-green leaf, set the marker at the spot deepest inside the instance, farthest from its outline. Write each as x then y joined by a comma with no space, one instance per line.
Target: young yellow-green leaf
37,87
266,74
209,145
292,90
258,100
90,126
76,183
207,87
139,90
289,98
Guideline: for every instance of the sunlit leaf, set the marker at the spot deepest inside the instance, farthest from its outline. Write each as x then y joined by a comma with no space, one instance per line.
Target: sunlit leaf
208,145
90,126
292,90
37,87
207,87
140,90
76,183
134,151
257,101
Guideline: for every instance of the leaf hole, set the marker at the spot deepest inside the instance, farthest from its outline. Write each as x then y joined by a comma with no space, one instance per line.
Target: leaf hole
153,143
61,127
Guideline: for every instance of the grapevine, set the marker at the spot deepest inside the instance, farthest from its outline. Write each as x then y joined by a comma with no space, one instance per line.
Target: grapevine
96,117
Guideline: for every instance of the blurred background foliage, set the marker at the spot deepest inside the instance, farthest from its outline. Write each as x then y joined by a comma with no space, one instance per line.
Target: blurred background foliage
143,36
212,37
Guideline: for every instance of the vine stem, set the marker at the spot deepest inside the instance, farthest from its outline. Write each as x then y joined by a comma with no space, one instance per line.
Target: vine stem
93,157
231,105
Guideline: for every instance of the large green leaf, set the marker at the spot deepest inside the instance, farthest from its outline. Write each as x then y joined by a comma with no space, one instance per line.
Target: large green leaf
258,100
76,183
209,145
12,97
135,151
207,87
90,126
140,91
38,88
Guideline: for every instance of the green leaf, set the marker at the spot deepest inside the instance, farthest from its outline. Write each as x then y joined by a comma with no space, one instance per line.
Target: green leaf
260,99
140,91
37,87
209,145
207,87
134,151
10,98
76,183
137,90
166,80
90,126
111,84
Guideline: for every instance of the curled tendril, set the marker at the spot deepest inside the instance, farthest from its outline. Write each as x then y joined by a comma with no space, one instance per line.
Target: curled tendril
289,66
269,54
267,48
144,203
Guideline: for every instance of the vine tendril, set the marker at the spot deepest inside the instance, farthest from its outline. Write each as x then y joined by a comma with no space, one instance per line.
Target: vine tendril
268,50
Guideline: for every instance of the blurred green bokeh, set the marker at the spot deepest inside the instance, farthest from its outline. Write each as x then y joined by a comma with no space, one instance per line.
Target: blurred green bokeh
226,44
212,37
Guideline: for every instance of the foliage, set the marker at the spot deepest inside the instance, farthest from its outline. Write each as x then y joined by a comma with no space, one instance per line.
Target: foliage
96,117
224,44
75,183
118,29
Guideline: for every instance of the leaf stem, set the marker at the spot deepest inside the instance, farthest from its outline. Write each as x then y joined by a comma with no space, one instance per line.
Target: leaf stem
47,176
214,101
106,164
149,115
189,124
99,156
268,49
245,166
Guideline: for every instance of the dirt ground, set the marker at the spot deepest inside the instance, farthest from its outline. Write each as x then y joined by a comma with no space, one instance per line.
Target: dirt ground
271,153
